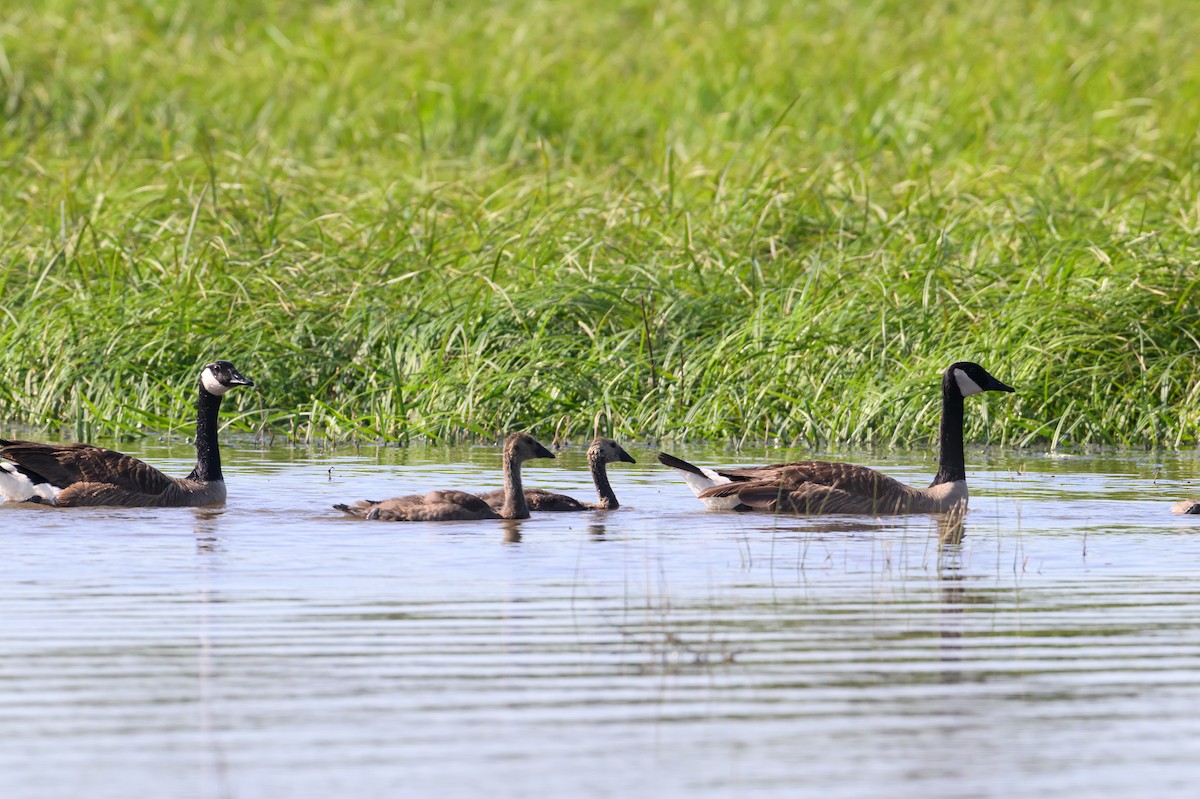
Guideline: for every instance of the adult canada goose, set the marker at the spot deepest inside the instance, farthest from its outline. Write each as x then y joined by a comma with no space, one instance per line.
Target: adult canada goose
71,475
822,487
446,506
1186,506
602,452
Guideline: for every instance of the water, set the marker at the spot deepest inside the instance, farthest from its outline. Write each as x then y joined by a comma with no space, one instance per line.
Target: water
273,648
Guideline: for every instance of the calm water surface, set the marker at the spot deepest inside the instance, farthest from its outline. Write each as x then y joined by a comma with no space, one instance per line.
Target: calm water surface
272,647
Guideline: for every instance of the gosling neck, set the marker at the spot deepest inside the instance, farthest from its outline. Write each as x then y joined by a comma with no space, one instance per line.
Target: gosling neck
608,499
208,456
515,506
951,465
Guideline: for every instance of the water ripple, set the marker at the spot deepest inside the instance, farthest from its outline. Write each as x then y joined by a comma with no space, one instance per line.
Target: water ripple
273,647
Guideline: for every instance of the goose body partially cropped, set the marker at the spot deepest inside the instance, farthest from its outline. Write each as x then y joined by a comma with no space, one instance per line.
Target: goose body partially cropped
820,487
71,475
602,452
453,505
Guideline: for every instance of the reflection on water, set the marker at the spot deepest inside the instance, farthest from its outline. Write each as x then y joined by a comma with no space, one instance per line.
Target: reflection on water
1048,641
512,530
204,528
951,527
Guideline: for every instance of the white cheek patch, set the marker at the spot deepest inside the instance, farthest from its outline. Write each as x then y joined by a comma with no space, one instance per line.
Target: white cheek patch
966,386
211,384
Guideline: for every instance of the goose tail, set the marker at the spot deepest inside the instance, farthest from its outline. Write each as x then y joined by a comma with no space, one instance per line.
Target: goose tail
361,509
18,484
697,477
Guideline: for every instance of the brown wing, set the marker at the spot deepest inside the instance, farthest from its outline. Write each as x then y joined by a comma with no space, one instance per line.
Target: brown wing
470,503
815,487
541,500
79,495
754,473
436,506
537,499
848,476
811,499
66,465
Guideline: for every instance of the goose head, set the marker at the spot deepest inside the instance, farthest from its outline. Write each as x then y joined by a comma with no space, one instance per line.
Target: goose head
970,378
219,376
521,447
605,450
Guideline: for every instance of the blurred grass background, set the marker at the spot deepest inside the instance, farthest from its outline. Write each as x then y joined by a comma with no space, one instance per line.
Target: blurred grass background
739,221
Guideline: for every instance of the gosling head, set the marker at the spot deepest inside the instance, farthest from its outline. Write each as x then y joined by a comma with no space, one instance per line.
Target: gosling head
605,450
219,376
522,447
970,378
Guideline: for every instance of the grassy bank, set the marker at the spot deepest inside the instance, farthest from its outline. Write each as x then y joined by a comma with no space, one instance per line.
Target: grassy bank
694,219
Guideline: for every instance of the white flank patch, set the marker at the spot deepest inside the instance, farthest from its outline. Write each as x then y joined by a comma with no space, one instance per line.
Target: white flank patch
722,503
211,384
16,487
966,386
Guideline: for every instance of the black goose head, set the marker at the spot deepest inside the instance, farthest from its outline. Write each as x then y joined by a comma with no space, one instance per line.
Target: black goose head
970,378
219,376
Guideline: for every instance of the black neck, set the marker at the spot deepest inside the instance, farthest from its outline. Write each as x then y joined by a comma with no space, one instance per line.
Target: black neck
208,457
608,500
951,465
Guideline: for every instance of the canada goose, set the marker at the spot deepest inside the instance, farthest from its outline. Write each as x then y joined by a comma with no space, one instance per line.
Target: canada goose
1186,506
446,506
72,475
824,487
602,452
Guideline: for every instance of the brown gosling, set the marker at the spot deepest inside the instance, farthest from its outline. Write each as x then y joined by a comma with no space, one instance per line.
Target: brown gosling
451,505
602,452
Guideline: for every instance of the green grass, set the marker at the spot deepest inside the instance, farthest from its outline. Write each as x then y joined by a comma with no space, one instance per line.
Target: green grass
732,220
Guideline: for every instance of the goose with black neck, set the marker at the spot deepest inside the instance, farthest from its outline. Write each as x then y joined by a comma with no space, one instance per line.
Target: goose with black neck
71,475
819,487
